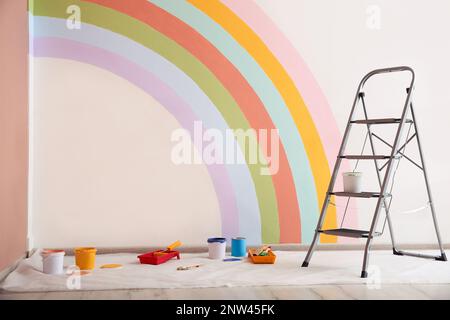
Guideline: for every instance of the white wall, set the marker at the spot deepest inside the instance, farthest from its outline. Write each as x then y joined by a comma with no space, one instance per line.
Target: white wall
98,178
332,36
334,39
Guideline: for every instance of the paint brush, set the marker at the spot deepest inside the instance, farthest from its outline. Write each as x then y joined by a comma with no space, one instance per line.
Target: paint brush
183,268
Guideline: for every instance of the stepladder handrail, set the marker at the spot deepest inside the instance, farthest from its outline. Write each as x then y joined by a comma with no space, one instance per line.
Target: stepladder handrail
388,70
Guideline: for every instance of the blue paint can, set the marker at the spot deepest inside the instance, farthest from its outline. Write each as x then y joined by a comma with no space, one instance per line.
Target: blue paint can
238,247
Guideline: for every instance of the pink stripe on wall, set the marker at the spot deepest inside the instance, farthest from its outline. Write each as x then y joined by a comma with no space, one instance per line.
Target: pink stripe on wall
13,130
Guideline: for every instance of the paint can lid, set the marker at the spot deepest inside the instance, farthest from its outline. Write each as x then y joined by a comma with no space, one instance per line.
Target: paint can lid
353,174
213,240
50,252
85,250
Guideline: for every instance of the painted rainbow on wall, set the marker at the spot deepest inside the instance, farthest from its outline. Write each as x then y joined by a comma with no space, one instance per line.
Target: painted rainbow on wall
226,64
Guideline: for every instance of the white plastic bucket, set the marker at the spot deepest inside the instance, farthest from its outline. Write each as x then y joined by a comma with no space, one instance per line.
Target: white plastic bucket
217,248
53,261
352,182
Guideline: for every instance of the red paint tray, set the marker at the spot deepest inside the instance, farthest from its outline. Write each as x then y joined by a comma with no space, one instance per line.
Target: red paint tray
152,258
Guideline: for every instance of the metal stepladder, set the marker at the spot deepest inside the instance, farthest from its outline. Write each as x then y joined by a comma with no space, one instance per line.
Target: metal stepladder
396,154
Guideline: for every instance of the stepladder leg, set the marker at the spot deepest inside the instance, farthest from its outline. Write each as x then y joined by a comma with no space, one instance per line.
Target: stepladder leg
391,231
385,204
315,240
365,264
311,249
425,176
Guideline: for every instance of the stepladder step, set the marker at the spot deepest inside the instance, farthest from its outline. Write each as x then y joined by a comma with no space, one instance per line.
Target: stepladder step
349,233
368,157
380,121
359,194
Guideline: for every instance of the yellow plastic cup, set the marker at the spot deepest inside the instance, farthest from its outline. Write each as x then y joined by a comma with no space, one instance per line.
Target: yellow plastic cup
85,258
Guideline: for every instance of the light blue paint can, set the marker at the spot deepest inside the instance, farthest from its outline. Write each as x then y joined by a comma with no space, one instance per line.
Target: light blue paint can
238,247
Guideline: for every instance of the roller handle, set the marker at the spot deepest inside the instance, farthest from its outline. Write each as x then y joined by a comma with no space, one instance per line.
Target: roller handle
174,245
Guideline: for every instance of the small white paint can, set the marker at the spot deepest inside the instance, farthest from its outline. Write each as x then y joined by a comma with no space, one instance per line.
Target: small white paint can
52,261
217,248
352,182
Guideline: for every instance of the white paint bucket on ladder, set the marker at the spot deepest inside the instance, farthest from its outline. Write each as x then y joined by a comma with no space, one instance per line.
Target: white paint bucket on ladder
352,182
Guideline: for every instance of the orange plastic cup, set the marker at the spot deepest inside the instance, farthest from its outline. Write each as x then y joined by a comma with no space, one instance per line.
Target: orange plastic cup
85,258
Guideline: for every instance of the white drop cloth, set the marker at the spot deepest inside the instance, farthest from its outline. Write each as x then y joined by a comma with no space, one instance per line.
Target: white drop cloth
326,267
